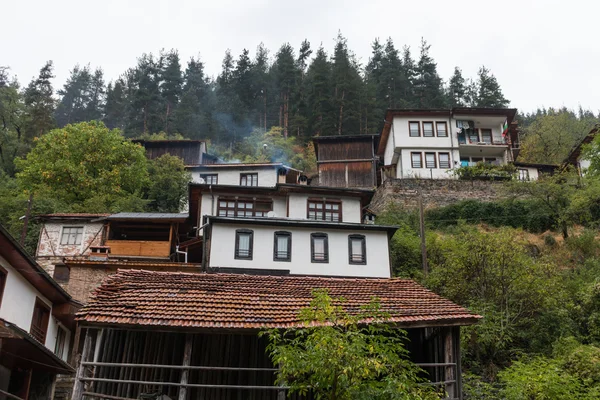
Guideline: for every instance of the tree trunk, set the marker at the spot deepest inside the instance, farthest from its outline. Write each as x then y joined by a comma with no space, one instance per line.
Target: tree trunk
341,113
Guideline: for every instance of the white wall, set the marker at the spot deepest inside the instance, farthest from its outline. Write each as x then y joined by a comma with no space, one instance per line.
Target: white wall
351,211
405,169
223,250
18,302
49,243
403,138
267,176
584,165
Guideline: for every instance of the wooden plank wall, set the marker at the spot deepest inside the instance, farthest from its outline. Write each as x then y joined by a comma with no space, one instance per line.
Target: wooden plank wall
188,152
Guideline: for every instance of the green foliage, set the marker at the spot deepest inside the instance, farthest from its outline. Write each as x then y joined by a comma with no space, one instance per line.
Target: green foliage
335,357
552,134
168,185
549,240
539,379
525,214
493,274
553,194
83,161
486,172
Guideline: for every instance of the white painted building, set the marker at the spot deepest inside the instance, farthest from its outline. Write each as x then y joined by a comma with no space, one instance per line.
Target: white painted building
299,247
429,144
295,229
244,174
36,324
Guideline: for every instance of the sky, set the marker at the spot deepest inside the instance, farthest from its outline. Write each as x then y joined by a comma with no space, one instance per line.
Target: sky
543,53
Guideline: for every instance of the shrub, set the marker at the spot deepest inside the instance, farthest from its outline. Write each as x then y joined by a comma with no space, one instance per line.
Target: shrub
525,214
486,172
549,240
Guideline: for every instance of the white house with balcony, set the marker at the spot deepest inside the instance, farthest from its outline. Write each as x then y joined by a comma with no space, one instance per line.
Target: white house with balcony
289,229
430,143
37,319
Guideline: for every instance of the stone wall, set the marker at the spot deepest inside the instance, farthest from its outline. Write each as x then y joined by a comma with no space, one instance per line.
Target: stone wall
435,192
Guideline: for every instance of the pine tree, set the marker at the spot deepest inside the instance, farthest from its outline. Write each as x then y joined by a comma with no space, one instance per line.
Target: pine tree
285,72
457,89
40,103
96,96
319,91
229,104
409,70
73,97
242,84
171,87
347,87
145,114
116,105
194,114
261,84
428,84
299,119
489,93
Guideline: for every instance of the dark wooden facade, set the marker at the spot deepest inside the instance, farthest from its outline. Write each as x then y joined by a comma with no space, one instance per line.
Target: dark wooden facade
192,152
346,161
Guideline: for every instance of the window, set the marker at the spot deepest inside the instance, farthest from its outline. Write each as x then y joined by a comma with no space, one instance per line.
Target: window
444,160
428,129
430,160
319,248
71,235
416,160
243,244
523,174
39,322
243,207
357,249
3,275
61,338
414,129
475,160
282,248
62,273
324,210
486,136
442,129
248,179
210,179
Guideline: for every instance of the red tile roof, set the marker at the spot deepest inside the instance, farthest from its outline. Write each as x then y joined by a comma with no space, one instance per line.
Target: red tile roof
73,215
236,301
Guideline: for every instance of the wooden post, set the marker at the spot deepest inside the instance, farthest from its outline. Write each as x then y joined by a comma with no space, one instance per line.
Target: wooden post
450,358
422,228
85,355
457,360
187,356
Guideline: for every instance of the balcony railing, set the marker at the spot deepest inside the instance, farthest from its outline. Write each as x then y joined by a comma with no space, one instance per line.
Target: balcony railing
38,333
481,141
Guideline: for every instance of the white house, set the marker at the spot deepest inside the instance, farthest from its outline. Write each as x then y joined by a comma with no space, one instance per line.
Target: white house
290,228
428,144
36,325
244,174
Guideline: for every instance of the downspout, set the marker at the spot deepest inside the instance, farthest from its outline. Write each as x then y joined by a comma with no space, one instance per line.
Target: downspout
451,133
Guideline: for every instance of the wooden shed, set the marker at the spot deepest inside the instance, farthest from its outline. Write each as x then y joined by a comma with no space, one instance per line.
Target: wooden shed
346,161
192,152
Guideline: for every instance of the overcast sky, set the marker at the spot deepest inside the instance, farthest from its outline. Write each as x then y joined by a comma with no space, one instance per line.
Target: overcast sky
543,53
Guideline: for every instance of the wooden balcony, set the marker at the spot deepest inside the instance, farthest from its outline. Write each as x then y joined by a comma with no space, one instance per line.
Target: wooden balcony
139,248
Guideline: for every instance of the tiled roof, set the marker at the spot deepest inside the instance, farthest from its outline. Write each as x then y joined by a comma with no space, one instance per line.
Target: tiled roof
236,301
72,215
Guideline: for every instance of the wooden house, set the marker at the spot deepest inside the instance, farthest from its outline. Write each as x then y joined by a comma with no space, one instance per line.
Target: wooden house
346,161
194,336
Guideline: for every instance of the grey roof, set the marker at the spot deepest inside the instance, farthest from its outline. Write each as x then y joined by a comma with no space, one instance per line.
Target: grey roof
147,216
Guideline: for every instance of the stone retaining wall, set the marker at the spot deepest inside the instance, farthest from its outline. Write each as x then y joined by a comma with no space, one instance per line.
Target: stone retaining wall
435,192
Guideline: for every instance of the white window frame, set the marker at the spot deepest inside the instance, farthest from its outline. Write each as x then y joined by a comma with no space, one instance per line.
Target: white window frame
66,242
